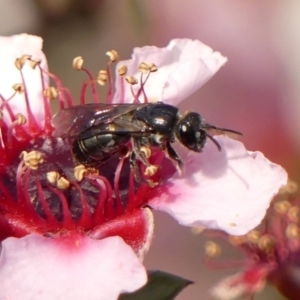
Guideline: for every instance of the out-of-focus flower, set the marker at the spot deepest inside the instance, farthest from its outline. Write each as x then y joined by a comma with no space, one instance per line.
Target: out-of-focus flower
271,252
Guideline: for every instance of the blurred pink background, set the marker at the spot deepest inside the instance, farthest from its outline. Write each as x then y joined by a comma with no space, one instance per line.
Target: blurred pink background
257,92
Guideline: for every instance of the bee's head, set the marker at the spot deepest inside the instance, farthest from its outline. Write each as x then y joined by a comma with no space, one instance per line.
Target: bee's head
191,131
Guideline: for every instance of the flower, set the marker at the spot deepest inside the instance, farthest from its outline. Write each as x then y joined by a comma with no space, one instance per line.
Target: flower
54,210
271,252
214,181
65,231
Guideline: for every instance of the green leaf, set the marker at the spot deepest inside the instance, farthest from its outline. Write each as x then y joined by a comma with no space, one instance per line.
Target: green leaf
160,286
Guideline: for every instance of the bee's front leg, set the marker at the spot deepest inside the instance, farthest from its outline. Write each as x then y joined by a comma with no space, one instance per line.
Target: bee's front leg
174,156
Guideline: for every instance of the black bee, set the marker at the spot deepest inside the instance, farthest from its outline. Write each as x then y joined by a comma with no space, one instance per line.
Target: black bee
101,130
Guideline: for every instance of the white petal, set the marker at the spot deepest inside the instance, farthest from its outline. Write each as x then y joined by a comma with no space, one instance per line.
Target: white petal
77,268
183,67
228,190
14,47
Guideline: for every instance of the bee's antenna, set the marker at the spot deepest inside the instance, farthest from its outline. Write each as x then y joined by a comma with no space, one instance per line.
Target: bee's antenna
215,142
208,126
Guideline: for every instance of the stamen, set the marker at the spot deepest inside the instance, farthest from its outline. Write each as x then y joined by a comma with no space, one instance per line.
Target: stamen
63,183
266,243
131,80
81,171
122,70
290,188
35,63
113,55
51,93
281,207
32,159
53,176
292,231
86,218
146,151
293,214
116,183
20,119
253,236
212,249
78,63
19,88
237,240
151,170
102,77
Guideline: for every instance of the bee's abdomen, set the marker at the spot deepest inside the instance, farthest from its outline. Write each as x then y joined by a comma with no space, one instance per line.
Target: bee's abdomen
95,150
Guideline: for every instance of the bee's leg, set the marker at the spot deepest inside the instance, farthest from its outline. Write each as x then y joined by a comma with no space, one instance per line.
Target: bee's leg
136,170
173,155
139,154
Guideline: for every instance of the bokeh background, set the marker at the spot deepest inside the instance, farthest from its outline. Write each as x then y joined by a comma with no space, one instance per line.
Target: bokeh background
257,92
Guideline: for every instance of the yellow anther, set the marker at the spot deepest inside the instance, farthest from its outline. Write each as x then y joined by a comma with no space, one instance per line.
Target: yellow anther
266,242
197,230
78,63
212,249
102,77
237,240
21,119
290,188
63,183
131,80
281,207
122,70
153,68
81,171
113,55
146,68
151,170
292,231
25,57
293,214
32,159
253,236
19,87
34,63
19,63
51,93
146,151
53,176
1,115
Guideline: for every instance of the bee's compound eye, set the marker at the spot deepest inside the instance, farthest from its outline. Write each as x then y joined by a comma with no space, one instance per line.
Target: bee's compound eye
188,136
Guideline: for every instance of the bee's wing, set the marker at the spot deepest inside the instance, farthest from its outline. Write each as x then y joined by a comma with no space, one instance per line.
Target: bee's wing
74,120
120,125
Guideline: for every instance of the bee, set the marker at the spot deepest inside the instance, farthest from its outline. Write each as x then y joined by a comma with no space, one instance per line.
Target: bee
101,130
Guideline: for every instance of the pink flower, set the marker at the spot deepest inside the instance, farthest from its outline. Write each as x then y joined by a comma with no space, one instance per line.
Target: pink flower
53,210
228,190
271,252
64,237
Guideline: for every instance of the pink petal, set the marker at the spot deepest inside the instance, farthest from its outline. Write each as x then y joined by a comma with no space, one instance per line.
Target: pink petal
74,267
183,67
246,284
228,190
14,47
